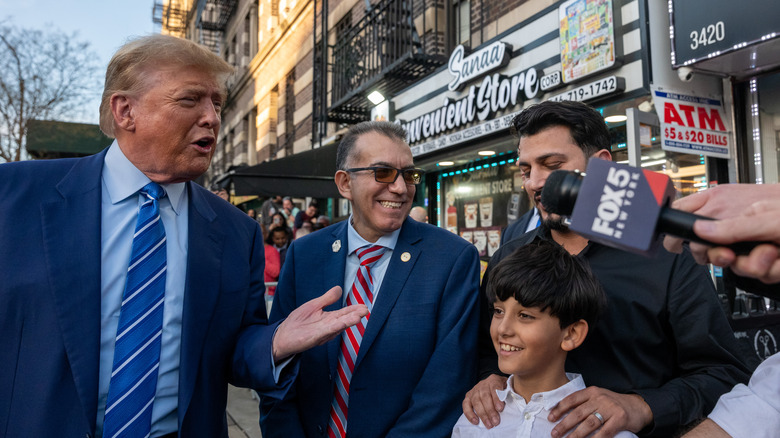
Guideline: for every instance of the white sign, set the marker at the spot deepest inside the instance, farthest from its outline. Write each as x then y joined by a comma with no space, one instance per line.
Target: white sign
468,134
692,124
481,62
550,81
601,87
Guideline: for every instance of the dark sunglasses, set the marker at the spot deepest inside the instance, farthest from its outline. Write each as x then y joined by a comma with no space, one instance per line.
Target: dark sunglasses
388,175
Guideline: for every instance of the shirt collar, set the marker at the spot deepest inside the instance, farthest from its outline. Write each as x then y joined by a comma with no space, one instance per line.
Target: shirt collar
550,398
355,241
123,179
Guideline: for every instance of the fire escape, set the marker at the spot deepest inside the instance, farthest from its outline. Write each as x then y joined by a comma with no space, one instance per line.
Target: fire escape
172,16
210,19
397,43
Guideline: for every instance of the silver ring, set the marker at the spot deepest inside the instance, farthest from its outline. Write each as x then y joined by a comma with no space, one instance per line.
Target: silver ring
601,419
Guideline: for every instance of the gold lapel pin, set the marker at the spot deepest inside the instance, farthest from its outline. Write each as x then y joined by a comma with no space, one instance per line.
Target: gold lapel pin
336,246
405,257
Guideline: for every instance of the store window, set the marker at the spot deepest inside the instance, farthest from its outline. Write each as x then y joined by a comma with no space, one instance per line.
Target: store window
478,200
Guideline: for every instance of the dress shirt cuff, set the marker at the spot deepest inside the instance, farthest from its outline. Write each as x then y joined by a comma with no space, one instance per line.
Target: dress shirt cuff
278,368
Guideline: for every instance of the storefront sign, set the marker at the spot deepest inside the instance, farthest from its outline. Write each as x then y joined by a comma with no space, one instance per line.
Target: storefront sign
468,134
702,29
692,124
494,94
550,81
599,88
587,37
479,63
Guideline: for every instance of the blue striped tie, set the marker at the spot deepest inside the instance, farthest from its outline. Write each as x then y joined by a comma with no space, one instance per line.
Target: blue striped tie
138,336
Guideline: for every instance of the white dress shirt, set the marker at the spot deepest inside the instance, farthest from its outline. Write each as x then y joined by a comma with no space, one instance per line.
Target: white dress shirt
119,212
754,410
521,419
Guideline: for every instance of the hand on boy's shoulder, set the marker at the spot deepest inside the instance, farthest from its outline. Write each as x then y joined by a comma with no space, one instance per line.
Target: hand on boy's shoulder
482,403
621,412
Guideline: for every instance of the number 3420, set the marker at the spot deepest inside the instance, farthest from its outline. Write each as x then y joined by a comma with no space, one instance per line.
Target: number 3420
709,34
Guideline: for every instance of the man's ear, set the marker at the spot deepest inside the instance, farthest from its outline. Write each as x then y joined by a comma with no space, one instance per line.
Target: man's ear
122,110
574,335
603,154
342,180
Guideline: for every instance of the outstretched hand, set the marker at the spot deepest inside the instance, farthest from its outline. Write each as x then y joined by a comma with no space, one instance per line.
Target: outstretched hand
309,325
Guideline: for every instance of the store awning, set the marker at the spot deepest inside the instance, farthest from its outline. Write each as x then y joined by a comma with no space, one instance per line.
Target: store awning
308,173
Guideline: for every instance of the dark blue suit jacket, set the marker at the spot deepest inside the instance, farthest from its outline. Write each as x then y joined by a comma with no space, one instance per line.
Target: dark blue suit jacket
418,354
50,304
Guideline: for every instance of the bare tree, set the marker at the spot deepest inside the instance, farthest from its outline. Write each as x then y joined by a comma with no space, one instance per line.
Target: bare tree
44,75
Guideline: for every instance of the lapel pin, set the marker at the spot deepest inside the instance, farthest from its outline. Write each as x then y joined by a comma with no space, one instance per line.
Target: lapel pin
405,257
336,246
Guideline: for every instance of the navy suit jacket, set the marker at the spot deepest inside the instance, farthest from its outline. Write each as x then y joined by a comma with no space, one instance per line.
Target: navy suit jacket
418,354
50,304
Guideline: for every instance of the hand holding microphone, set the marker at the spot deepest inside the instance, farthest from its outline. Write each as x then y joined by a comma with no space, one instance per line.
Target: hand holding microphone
623,207
744,212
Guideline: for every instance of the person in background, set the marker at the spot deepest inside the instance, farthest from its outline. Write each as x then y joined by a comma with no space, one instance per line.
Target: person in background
290,211
746,213
131,296
251,213
419,214
662,353
309,215
404,370
268,208
221,192
275,243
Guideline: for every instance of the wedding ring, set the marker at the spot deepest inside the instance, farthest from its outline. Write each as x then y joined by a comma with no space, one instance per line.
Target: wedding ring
601,419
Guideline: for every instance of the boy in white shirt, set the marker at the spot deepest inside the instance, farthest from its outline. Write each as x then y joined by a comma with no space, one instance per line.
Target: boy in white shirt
544,300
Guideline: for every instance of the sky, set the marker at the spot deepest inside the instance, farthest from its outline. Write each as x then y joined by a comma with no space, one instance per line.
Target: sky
104,24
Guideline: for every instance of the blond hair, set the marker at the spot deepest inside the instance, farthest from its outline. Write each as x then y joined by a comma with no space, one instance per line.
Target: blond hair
136,59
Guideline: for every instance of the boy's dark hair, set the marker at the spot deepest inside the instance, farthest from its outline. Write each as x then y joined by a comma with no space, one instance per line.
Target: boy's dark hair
586,125
542,274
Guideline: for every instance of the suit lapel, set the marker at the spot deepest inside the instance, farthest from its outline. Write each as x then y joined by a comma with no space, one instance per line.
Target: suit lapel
334,275
393,283
71,241
204,255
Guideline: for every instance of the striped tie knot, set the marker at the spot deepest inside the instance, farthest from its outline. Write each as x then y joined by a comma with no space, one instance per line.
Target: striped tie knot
370,254
153,191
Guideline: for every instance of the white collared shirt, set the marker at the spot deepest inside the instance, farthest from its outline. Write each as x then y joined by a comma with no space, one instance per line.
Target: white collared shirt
521,419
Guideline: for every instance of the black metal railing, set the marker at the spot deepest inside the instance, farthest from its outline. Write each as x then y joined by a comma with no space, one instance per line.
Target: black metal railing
395,44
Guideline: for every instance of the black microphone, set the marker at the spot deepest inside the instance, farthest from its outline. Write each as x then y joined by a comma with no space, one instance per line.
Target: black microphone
622,206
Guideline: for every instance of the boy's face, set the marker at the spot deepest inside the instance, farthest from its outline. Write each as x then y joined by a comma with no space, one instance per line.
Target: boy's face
527,340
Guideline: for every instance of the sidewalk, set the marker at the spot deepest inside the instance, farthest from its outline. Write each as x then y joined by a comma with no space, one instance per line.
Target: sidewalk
242,413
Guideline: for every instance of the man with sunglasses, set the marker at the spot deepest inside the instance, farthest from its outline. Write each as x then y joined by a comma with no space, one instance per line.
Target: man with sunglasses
405,369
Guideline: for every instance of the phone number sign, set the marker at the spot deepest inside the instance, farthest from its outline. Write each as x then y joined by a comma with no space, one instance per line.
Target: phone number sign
592,90
692,124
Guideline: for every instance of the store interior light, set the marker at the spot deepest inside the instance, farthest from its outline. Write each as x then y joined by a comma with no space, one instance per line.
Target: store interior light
615,119
376,97
445,163
486,153
653,163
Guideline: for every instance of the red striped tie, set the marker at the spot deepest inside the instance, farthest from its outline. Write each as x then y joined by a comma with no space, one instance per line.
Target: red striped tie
362,292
